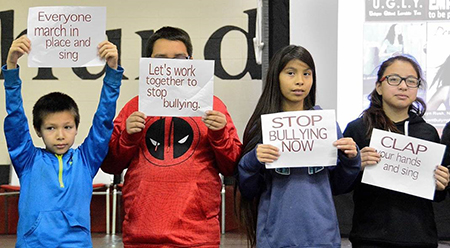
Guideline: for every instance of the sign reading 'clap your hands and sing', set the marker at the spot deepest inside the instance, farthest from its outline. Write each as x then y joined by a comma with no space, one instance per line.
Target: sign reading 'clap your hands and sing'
175,87
66,36
304,138
407,164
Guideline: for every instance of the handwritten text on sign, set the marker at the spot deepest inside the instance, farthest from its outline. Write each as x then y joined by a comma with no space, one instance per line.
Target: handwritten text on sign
174,87
304,138
407,164
66,36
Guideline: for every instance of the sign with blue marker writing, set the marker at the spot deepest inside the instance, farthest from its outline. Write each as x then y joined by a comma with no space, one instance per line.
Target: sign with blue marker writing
66,36
407,164
175,87
304,138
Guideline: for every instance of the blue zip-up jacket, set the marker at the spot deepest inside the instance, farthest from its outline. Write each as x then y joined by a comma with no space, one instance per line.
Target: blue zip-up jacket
296,207
56,190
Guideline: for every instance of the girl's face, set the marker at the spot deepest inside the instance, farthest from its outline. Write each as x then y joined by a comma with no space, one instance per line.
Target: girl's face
397,98
296,80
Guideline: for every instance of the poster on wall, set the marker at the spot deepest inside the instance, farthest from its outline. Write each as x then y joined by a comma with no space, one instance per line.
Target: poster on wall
438,73
66,36
420,30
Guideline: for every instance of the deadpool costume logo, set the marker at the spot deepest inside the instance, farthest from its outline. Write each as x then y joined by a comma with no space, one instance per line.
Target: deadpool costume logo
171,140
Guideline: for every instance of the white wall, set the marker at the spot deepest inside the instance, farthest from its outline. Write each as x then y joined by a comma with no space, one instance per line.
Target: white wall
314,26
332,31
199,18
350,61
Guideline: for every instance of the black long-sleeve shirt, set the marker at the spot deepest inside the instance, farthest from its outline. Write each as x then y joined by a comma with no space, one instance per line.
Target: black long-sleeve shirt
388,218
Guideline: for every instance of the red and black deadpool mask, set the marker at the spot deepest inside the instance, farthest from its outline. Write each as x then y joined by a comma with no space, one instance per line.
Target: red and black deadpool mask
171,140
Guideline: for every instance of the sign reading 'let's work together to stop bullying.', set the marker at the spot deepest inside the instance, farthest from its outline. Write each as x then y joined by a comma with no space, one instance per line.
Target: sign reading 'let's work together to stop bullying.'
66,36
175,87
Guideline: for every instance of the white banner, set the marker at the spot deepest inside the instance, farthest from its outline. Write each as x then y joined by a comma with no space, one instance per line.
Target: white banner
304,138
175,87
66,36
407,164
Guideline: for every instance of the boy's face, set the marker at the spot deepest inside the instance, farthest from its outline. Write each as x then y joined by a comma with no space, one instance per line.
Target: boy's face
58,131
170,49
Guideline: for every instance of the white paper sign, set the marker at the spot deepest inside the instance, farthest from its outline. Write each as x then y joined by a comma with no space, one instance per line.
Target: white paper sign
66,36
407,164
304,138
175,87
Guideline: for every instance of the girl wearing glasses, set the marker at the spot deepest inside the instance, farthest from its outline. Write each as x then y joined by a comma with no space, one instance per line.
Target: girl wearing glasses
385,218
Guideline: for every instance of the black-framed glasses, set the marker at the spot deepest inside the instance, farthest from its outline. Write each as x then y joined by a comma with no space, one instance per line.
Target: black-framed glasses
396,80
180,56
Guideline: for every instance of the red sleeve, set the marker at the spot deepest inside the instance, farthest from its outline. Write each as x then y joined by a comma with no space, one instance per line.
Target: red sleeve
122,146
225,142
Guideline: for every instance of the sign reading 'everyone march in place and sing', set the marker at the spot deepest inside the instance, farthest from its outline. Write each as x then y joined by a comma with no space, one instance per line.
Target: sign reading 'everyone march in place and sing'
407,164
175,87
66,36
304,138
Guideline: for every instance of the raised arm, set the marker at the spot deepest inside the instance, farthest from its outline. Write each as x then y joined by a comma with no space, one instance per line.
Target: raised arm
95,145
19,47
17,133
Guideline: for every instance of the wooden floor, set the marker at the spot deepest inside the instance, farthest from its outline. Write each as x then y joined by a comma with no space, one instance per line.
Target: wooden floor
229,240
99,240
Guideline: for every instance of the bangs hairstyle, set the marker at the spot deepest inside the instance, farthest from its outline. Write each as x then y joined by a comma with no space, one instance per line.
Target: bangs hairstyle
374,116
404,58
53,103
169,33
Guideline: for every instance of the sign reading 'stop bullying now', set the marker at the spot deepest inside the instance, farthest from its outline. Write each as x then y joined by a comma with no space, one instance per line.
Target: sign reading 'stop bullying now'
66,36
304,138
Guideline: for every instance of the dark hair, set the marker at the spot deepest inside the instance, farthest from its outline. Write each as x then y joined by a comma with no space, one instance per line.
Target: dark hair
390,36
442,75
169,33
270,102
53,103
374,116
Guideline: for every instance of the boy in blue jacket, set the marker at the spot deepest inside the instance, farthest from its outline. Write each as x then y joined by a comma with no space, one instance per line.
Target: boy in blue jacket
56,182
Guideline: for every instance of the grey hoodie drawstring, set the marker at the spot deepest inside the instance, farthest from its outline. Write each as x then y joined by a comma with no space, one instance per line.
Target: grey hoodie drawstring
406,126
